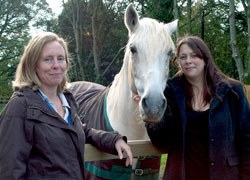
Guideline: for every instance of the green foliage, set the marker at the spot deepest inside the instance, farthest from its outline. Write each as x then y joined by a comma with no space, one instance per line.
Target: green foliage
16,17
214,28
111,36
210,21
162,10
1,107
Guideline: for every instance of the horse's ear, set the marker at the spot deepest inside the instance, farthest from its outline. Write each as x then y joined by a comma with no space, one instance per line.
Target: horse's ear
172,26
131,18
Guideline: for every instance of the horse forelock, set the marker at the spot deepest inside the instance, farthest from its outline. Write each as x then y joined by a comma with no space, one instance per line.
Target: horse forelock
152,33
151,41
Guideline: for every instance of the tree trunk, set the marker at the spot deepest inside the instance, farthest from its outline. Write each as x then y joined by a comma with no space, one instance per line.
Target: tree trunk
233,42
248,48
95,41
202,24
176,16
77,27
189,16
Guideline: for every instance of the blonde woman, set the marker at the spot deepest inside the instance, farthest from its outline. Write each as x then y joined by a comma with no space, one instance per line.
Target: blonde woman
41,136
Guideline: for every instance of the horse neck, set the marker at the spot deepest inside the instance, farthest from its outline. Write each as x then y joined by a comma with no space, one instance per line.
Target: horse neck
122,111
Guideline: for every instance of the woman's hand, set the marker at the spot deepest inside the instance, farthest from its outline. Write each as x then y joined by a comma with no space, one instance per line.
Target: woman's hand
121,146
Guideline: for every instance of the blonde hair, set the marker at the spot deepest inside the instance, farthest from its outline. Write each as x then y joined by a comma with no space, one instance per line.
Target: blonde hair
26,70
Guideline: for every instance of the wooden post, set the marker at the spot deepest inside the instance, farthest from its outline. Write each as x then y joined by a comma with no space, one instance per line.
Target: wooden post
138,148
248,92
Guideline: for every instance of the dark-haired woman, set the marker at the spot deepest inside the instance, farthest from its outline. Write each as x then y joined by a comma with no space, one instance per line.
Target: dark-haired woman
206,127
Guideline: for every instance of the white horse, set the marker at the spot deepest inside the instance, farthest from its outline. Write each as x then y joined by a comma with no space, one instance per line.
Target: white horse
143,74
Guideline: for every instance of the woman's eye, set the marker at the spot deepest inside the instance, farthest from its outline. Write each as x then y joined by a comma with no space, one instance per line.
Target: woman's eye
193,55
182,57
170,53
48,60
61,58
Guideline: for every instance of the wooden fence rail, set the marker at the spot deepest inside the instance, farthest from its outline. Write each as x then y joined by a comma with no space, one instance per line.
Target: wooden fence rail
138,148
248,92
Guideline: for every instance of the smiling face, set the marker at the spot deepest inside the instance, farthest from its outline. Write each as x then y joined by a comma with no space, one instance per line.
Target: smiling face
191,65
52,66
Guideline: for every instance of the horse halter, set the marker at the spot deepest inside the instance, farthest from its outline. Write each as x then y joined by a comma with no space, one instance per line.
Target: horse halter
136,98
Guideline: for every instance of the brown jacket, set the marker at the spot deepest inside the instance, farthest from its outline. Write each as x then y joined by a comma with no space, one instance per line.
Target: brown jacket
36,143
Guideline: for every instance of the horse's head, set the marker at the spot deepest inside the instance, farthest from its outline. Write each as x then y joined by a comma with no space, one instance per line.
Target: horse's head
148,53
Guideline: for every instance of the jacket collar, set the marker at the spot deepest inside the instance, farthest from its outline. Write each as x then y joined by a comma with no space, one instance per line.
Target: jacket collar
221,91
178,87
34,102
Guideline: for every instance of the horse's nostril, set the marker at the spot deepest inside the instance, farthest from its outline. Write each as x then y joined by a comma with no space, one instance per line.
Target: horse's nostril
153,105
164,102
144,102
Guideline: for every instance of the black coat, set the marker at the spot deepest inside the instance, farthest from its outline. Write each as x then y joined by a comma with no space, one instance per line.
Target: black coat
228,133
36,143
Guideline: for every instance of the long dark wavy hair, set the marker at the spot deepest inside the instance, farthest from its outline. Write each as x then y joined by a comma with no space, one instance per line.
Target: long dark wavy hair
213,76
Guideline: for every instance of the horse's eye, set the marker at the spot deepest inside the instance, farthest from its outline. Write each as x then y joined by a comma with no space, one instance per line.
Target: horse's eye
133,49
171,53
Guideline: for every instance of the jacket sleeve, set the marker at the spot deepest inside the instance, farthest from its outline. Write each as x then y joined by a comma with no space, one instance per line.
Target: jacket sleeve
164,133
14,146
102,140
243,114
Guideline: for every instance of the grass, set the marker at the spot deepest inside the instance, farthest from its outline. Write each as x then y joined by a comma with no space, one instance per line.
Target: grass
163,164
